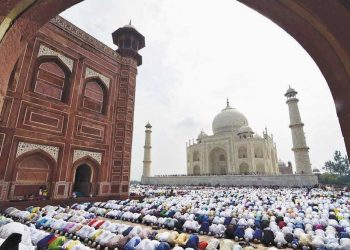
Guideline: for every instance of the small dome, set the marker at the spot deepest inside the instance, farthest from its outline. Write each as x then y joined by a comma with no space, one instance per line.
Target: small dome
148,125
201,135
228,120
245,129
129,26
290,91
315,170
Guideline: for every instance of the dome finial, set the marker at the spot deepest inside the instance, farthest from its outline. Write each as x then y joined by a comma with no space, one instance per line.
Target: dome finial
130,22
148,125
227,103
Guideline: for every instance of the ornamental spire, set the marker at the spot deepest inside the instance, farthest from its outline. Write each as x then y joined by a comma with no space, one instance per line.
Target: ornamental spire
227,103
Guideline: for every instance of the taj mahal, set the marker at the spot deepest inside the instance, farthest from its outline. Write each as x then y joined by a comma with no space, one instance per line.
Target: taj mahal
236,155
233,148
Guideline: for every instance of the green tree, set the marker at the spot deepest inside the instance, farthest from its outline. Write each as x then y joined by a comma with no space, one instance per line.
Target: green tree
339,165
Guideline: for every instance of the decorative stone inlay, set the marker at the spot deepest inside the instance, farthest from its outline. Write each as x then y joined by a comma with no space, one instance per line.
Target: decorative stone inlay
83,36
24,147
91,73
78,154
45,51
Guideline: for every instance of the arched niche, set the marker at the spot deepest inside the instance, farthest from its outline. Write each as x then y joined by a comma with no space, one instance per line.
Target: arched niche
196,170
242,152
195,156
95,96
33,170
218,162
243,168
51,79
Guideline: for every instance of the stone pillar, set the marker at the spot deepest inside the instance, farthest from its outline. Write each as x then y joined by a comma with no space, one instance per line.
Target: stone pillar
300,149
147,153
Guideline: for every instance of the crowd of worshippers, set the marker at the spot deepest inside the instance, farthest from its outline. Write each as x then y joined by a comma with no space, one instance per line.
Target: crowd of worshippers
211,174
280,217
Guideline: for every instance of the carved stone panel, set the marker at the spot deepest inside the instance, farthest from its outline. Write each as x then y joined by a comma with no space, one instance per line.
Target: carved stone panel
24,147
78,154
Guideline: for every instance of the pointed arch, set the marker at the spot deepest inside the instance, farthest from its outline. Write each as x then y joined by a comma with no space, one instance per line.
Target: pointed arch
85,173
218,161
244,168
32,170
91,162
51,78
95,95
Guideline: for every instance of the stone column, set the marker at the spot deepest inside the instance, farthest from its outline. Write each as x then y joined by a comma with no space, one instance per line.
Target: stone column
147,153
300,149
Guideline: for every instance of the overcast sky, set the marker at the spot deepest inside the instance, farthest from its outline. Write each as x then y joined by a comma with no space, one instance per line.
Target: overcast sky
198,52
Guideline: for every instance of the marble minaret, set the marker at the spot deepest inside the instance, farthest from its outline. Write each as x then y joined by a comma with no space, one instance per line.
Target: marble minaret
147,153
300,149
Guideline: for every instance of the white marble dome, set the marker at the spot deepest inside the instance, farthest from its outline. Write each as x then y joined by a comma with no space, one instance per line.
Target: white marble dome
228,120
201,135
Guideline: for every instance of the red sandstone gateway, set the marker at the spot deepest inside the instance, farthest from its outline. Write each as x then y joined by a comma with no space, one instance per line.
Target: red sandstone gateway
67,119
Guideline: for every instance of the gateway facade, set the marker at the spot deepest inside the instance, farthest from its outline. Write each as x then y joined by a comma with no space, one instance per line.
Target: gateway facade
67,119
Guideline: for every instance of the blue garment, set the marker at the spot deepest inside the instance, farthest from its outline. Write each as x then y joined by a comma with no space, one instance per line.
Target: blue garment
44,242
227,220
132,243
41,222
257,223
193,241
299,225
295,243
257,234
339,229
239,232
204,218
204,227
163,246
343,235
171,213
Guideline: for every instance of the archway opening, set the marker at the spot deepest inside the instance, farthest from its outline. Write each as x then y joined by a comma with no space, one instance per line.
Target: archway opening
244,168
196,170
218,162
82,181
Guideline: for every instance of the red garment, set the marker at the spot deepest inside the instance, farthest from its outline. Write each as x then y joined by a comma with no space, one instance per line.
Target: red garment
51,240
282,224
97,226
92,222
202,245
